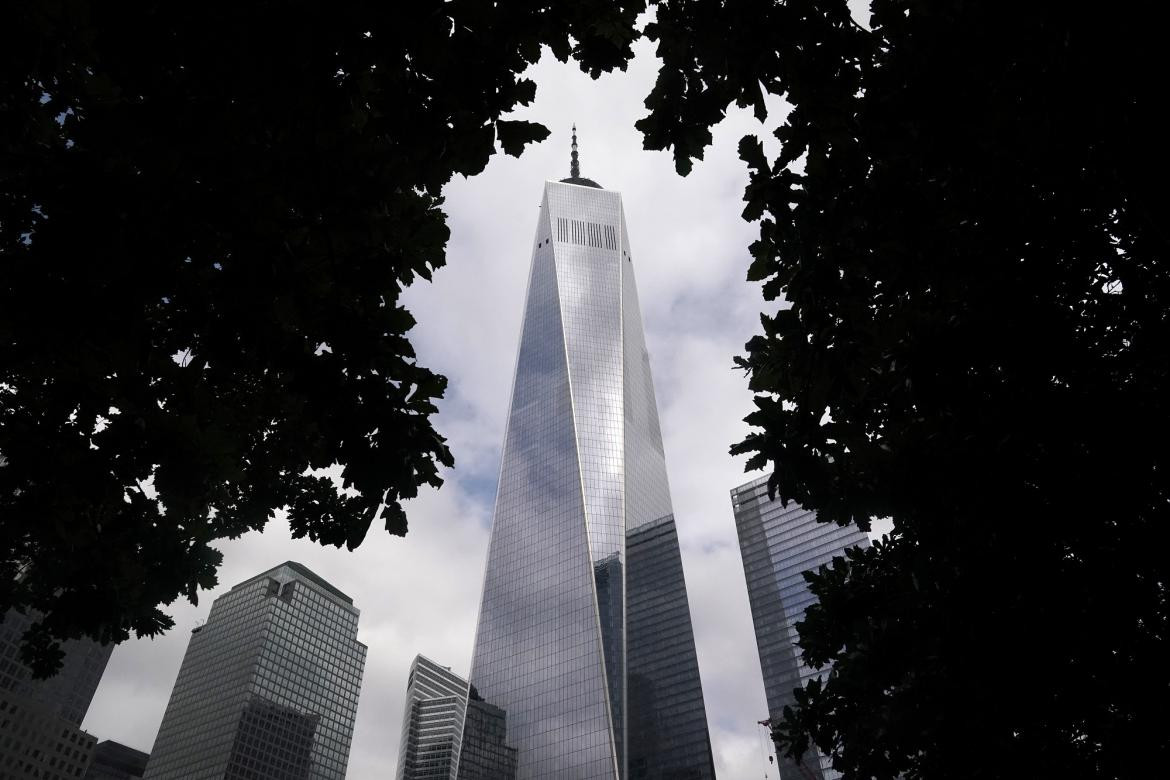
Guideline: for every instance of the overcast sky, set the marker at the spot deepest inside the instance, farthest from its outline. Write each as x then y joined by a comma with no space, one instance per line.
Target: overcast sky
420,594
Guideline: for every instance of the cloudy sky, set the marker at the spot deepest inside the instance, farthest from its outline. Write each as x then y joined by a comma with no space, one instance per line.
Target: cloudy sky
420,594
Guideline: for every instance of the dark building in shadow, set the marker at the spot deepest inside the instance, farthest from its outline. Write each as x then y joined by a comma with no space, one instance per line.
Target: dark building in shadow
40,720
115,761
485,754
273,742
668,722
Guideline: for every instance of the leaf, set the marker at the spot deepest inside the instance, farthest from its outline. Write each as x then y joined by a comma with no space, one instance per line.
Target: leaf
514,135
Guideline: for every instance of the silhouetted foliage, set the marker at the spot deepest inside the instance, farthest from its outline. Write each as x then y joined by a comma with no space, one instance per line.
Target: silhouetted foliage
968,220
207,214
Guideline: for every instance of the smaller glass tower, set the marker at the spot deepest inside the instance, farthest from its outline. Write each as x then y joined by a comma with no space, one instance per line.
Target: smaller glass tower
269,685
779,544
432,725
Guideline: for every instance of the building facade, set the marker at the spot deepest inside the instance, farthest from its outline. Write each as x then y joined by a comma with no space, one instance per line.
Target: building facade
779,544
68,693
269,685
35,743
571,642
115,761
432,724
40,720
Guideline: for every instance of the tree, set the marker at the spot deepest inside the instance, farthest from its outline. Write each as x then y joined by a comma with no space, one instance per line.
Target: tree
967,222
207,214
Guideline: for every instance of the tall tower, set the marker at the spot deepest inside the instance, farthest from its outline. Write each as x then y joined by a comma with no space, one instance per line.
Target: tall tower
269,685
584,635
779,544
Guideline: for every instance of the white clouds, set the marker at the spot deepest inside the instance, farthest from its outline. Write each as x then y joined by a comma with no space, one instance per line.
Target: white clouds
421,593
741,754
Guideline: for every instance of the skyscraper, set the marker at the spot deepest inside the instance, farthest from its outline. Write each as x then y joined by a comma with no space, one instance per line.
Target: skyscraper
584,635
432,724
779,544
40,720
269,685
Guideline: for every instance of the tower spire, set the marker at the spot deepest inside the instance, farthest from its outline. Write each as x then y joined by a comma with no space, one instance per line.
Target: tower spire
575,166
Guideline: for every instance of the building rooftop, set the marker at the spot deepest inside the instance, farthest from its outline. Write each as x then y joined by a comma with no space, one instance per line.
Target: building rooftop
308,574
582,181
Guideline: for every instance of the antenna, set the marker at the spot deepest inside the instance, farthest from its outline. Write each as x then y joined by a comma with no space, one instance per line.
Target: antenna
575,166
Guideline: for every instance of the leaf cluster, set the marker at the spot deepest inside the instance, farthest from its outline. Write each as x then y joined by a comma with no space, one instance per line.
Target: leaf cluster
964,235
208,213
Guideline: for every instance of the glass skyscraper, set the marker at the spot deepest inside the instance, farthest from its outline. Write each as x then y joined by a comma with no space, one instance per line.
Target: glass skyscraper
584,636
779,544
432,724
269,685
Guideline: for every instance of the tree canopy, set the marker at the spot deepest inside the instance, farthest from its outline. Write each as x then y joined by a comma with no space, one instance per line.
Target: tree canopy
967,228
207,215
